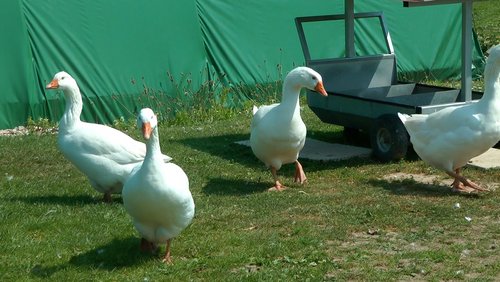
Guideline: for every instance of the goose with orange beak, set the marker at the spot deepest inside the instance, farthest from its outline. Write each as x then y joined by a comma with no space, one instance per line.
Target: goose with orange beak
277,132
157,195
105,155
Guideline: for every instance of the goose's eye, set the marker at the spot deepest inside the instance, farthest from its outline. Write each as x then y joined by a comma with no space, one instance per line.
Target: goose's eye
314,78
62,78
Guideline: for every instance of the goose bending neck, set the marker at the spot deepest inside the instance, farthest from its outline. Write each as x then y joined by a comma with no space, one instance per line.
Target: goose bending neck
291,92
73,109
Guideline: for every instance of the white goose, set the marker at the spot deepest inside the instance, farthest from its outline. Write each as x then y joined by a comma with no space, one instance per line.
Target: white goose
104,154
449,138
277,131
157,195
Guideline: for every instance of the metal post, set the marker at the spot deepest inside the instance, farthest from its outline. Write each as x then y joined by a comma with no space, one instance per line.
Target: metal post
466,91
349,28
465,94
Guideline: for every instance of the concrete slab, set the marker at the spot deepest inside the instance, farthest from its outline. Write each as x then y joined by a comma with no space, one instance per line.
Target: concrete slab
324,151
490,159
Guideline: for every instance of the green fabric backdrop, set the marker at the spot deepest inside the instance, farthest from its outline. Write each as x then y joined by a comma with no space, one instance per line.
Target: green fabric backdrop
129,54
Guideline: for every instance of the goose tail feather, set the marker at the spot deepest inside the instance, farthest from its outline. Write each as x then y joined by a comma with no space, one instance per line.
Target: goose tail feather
254,109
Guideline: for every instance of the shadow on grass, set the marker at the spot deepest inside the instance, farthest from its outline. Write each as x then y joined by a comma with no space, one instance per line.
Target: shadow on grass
412,187
47,271
235,187
349,137
59,200
313,165
224,146
119,253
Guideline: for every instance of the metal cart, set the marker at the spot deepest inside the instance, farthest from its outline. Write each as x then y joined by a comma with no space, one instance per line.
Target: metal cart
364,93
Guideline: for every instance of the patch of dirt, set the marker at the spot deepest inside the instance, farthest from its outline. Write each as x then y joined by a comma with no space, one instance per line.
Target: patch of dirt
437,180
393,243
248,268
420,178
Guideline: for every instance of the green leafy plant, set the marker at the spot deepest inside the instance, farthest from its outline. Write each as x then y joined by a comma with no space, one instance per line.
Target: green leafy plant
41,126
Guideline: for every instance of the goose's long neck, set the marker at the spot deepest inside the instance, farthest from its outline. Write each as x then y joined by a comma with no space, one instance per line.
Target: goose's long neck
73,109
291,92
153,151
491,84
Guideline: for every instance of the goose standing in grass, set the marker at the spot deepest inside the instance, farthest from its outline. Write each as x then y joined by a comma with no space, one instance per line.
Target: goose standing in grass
449,138
277,132
157,195
105,155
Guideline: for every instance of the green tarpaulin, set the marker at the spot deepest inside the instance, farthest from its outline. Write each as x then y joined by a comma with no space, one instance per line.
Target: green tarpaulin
128,54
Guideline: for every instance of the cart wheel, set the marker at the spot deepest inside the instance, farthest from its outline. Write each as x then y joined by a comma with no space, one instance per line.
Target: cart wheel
389,138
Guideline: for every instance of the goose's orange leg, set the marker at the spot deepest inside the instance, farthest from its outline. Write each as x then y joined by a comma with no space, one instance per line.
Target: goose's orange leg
462,184
300,176
277,184
167,258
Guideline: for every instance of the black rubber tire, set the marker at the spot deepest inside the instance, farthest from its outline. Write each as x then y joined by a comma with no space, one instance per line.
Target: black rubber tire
388,138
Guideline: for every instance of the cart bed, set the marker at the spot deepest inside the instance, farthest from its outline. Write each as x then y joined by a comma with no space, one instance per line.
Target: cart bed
363,88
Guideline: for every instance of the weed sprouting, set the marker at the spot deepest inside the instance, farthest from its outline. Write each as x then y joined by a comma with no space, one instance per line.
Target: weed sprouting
179,102
41,126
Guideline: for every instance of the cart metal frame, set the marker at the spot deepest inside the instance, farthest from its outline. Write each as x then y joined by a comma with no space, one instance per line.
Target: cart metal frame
364,93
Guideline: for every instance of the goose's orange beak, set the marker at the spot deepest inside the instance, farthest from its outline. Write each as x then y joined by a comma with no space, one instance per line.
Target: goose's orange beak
146,130
320,89
53,84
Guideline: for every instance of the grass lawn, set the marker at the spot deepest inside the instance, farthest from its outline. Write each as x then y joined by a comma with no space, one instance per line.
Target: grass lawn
346,223
487,22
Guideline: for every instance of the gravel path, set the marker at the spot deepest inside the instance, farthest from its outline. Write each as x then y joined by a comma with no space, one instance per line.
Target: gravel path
22,130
